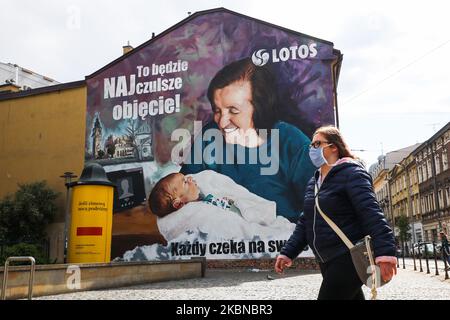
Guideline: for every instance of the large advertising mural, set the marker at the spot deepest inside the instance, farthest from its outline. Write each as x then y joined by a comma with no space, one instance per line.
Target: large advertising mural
205,132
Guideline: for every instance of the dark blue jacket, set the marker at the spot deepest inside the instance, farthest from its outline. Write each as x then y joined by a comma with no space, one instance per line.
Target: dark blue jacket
346,197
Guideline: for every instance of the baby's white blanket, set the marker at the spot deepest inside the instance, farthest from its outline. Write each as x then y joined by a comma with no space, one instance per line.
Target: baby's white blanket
258,214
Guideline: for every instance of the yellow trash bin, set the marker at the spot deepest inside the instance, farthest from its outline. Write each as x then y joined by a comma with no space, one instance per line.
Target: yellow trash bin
91,217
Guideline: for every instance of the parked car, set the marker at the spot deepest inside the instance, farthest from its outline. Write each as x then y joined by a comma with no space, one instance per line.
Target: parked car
426,249
439,249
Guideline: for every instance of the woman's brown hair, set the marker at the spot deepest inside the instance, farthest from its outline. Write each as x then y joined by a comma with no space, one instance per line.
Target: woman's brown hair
263,86
334,136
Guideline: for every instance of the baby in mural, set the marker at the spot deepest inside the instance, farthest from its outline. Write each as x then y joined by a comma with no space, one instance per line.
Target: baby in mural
176,190
212,203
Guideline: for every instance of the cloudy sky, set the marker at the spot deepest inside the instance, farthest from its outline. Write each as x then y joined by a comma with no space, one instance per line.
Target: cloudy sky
394,86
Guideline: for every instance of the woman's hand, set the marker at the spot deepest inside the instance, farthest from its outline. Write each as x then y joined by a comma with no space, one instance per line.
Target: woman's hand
388,267
282,262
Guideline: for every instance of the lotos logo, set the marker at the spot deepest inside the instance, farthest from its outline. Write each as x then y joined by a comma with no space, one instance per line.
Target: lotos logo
261,56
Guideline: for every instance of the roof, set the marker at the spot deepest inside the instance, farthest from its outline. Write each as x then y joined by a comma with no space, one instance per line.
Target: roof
388,161
47,89
433,137
394,157
205,12
28,71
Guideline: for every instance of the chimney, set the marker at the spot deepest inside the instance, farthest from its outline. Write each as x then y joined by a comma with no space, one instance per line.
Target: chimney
127,48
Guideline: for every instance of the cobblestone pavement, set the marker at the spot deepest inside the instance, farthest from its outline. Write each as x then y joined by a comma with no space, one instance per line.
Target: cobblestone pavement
256,285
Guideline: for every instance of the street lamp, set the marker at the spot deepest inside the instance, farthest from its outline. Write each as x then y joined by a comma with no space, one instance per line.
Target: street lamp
68,176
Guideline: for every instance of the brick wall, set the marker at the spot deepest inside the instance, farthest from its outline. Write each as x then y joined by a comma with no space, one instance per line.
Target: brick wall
263,264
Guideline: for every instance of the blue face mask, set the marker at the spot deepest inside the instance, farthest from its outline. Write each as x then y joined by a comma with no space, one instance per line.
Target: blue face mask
317,157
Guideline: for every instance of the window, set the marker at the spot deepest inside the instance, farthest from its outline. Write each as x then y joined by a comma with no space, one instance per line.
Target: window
419,236
417,204
429,172
448,196
420,174
437,162
440,199
444,160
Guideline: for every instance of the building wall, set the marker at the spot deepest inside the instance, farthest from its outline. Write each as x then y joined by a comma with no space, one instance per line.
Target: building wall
380,185
399,192
41,137
23,78
434,183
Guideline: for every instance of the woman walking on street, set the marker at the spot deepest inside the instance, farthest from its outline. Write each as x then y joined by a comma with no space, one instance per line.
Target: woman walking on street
445,249
345,194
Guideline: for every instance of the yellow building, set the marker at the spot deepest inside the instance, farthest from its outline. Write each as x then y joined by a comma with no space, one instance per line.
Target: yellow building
405,195
412,175
385,180
42,136
381,188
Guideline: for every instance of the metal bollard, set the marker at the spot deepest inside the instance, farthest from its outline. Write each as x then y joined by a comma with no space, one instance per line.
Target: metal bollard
445,257
435,259
420,257
426,259
398,259
403,254
5,275
414,258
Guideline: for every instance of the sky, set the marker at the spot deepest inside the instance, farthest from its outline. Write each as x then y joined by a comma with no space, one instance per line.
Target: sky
394,85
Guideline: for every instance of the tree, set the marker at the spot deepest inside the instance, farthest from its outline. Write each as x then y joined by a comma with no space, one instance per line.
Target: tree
404,227
24,216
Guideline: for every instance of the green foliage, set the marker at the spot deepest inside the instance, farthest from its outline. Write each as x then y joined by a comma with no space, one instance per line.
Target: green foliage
24,218
404,227
25,249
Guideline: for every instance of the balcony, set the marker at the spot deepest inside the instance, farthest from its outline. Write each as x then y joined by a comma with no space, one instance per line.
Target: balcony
427,217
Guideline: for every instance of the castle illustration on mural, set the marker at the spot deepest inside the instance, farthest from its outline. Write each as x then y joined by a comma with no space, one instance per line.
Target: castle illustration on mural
132,144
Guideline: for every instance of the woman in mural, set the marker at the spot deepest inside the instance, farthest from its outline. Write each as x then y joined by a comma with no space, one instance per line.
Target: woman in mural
267,156
345,194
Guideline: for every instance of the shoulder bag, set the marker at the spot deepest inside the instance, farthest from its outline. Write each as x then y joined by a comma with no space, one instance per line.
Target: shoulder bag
361,253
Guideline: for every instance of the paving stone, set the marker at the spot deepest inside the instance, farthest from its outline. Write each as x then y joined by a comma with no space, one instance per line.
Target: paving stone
247,284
